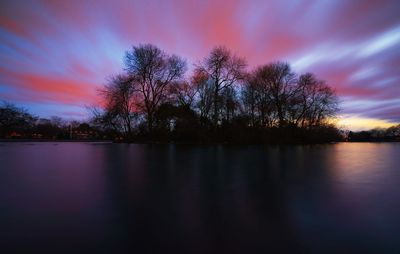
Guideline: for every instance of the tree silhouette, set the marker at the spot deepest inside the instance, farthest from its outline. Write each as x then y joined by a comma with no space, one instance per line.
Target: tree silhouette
151,72
14,119
279,81
121,104
223,69
219,102
203,86
183,93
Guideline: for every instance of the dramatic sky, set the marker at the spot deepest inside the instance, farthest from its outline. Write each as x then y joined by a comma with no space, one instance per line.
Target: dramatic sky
55,54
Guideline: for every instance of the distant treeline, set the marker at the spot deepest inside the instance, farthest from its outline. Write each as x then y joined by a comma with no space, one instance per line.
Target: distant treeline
18,123
376,135
153,99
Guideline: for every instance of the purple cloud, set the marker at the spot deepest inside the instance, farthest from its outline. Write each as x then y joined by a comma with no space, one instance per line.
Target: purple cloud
60,52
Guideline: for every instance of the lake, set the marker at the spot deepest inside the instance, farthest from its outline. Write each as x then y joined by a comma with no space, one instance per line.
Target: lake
126,198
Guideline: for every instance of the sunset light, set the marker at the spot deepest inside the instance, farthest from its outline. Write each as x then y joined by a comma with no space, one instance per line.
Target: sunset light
54,55
199,126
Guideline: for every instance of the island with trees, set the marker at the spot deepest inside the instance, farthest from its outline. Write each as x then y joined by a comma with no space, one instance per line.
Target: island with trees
154,99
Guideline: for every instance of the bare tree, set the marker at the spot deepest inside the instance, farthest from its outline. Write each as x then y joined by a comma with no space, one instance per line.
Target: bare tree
204,93
249,101
303,99
325,106
121,107
280,82
152,71
183,93
223,69
258,92
274,96
311,103
229,103
14,119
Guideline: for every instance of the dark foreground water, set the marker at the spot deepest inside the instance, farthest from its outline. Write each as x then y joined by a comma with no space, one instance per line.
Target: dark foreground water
118,198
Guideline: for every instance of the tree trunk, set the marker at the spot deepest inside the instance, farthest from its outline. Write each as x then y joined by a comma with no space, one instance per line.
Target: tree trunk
150,122
216,106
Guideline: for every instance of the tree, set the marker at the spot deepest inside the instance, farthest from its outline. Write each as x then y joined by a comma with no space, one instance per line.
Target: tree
320,102
120,104
183,93
229,104
257,99
393,131
249,101
204,90
14,119
279,80
53,128
223,69
151,72
274,96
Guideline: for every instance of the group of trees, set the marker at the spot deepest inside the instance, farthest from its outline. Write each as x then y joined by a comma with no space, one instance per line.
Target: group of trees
153,99
16,122
378,134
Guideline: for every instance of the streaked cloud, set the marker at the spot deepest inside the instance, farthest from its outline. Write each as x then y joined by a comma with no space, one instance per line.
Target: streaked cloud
59,52
383,42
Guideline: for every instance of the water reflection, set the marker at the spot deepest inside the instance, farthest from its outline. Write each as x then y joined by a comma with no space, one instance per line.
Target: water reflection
121,198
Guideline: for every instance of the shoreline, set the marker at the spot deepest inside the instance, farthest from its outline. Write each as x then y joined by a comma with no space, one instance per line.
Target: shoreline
183,143
54,140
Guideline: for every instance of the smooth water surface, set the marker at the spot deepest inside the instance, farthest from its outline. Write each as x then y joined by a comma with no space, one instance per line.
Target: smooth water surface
120,198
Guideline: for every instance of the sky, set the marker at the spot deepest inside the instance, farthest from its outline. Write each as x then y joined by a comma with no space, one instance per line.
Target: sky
55,55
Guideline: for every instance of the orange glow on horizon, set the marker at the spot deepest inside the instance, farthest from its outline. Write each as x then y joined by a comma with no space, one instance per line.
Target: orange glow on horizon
356,123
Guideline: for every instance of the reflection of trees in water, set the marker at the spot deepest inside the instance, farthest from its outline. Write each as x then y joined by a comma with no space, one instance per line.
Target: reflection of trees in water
206,198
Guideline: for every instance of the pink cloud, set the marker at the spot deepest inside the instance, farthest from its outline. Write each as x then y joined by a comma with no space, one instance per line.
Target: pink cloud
60,51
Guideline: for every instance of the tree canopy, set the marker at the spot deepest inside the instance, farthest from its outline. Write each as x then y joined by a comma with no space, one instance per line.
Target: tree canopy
221,98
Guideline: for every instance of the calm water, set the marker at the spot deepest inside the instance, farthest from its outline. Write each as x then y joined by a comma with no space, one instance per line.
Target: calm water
118,198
